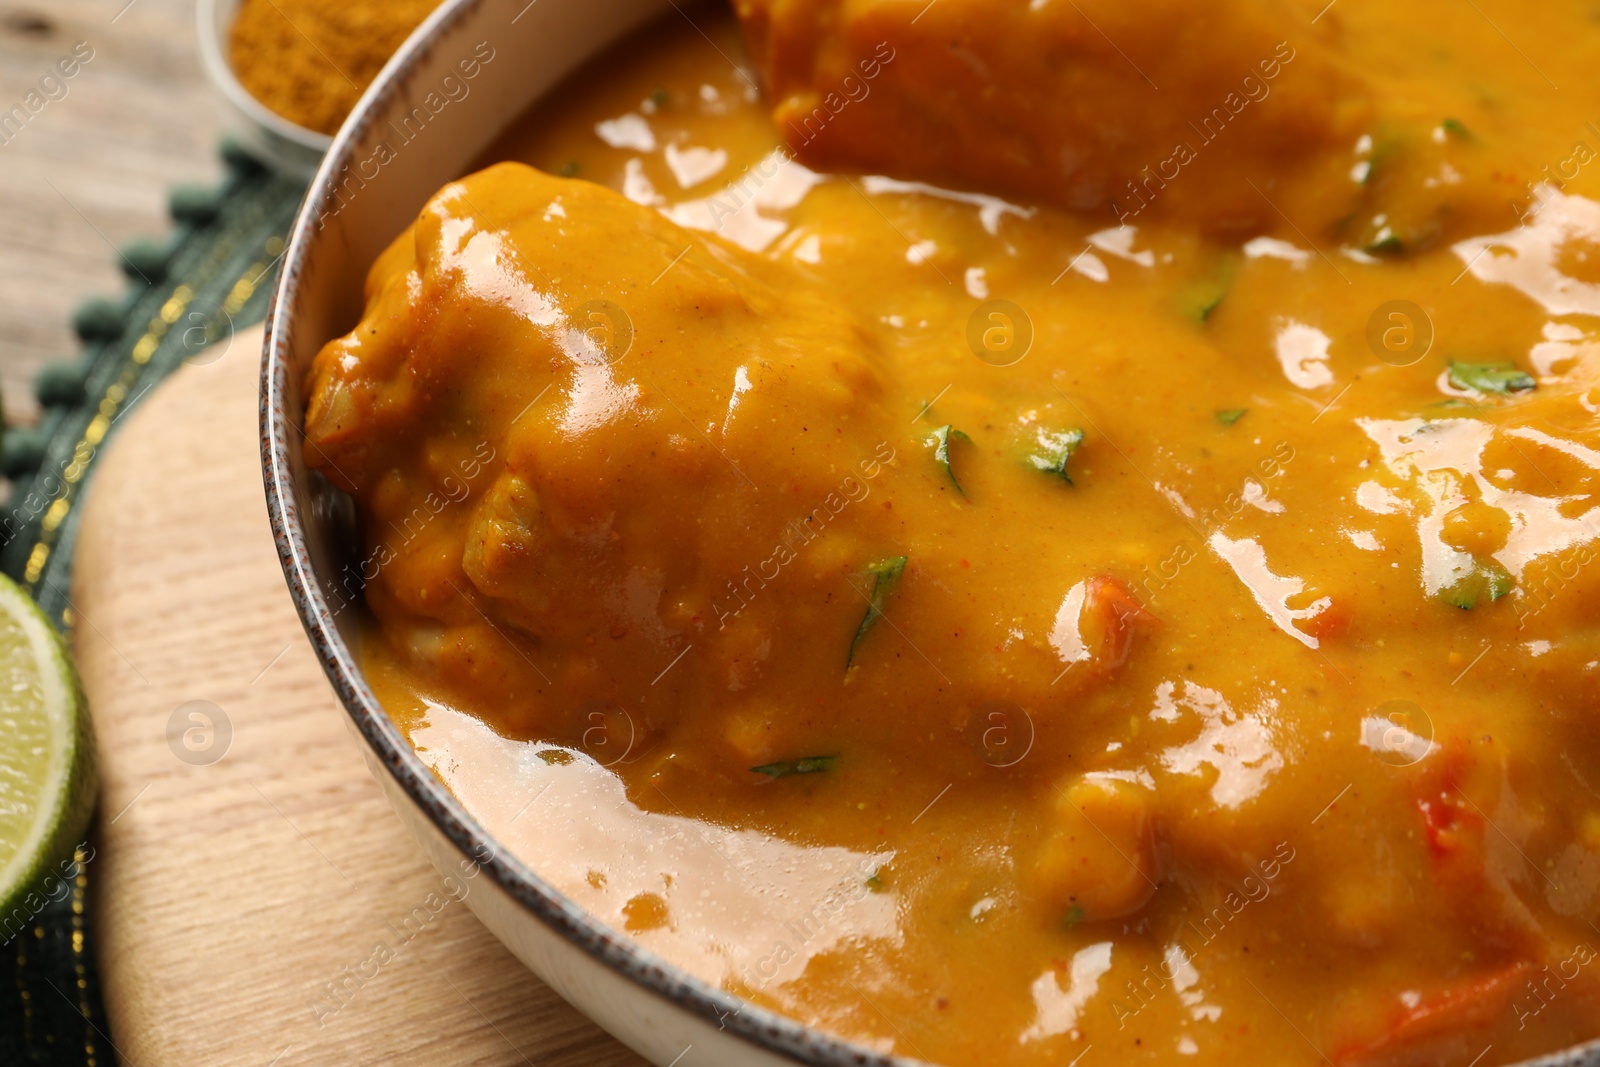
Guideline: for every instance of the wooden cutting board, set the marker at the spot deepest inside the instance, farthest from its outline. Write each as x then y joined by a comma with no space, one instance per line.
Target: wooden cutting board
255,900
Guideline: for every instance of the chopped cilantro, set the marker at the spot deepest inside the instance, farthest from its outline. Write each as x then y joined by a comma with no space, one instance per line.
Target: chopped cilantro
1200,298
1385,149
1456,128
1073,917
1230,416
554,756
1051,451
885,575
803,765
1211,305
1500,378
1487,581
941,451
569,168
1385,243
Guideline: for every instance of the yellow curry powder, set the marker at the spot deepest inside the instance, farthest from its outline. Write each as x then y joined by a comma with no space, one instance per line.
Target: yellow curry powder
310,60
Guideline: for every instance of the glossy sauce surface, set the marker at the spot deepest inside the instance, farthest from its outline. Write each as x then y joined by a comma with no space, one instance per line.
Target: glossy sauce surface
734,553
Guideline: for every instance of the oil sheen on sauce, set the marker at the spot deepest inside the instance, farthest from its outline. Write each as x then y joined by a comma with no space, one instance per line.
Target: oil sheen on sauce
999,635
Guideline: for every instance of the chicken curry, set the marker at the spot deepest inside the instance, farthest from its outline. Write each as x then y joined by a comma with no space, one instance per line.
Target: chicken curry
1024,533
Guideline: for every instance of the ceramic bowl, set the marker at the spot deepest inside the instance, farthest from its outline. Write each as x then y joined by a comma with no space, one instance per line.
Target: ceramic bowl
356,205
359,200
288,147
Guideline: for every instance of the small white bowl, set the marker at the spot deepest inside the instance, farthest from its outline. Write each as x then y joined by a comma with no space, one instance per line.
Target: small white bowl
284,145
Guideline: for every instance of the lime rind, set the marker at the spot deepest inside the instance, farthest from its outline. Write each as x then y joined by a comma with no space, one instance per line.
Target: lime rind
47,773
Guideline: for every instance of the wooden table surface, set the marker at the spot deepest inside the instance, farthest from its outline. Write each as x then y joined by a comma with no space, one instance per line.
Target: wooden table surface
92,168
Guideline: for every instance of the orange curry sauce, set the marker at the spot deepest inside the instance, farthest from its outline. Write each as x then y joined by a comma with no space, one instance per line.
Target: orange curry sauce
1144,620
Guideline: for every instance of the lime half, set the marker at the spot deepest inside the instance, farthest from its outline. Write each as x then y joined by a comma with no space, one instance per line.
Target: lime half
47,775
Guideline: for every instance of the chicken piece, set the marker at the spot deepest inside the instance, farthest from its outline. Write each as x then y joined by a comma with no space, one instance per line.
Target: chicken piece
1092,106
1232,116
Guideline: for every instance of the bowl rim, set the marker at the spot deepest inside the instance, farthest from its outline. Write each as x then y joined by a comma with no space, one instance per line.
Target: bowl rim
761,1026
209,29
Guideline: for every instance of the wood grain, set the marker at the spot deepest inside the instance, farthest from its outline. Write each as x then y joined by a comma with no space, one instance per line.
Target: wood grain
90,170
257,902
